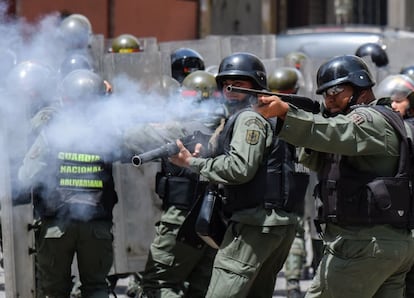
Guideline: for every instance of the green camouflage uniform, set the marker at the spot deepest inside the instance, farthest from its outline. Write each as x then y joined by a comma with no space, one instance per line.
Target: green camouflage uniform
257,241
173,268
359,261
60,236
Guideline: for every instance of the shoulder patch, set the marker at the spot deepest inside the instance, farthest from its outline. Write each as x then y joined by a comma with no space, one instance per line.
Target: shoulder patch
256,122
252,137
360,116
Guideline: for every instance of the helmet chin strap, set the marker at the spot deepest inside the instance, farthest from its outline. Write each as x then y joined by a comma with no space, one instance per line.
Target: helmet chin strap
353,99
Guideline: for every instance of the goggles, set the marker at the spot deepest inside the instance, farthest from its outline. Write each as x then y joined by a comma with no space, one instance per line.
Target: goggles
335,90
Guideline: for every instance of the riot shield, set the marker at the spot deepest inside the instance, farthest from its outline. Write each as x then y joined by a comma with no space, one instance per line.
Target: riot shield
208,48
263,46
97,50
399,53
272,64
134,216
136,66
16,220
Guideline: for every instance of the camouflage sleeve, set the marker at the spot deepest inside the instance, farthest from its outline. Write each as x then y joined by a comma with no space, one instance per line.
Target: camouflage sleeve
364,131
252,135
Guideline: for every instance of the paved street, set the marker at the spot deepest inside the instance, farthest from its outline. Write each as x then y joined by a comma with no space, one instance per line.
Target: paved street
279,290
122,285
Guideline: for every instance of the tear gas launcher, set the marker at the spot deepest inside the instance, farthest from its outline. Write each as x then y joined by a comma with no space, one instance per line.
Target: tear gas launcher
170,149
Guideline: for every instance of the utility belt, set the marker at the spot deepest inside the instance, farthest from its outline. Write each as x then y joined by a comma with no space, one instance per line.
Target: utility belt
286,194
385,200
180,192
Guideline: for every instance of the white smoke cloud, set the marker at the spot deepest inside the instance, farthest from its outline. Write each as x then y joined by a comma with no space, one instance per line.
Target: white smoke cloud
104,123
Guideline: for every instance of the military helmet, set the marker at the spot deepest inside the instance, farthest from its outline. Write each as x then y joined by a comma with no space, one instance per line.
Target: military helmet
33,83
125,43
285,80
72,62
396,87
81,85
408,70
202,83
31,79
76,31
346,69
184,61
295,59
375,51
245,66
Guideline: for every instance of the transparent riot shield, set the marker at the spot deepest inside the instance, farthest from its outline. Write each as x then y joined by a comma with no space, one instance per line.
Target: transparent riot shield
97,50
399,53
134,216
272,64
378,73
136,66
310,73
263,46
208,48
16,220
149,44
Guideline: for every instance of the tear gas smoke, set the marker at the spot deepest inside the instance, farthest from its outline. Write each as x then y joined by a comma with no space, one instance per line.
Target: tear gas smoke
132,105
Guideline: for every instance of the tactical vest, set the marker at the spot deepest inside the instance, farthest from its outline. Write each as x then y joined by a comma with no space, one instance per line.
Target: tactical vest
352,197
79,183
247,195
287,180
178,186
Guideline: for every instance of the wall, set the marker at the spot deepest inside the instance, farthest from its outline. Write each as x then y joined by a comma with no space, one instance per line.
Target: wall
164,19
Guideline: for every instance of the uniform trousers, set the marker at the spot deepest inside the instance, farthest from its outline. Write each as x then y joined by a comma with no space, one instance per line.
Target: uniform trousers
58,242
249,259
359,266
176,269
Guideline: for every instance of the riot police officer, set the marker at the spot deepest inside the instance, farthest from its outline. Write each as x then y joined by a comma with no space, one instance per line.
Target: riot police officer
75,207
184,61
400,90
261,229
354,149
180,266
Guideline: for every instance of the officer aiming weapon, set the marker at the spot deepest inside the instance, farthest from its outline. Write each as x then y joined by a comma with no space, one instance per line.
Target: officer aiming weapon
169,149
302,102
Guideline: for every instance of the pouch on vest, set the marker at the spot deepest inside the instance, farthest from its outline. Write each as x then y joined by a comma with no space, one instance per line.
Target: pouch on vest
387,199
176,191
160,185
296,199
210,224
